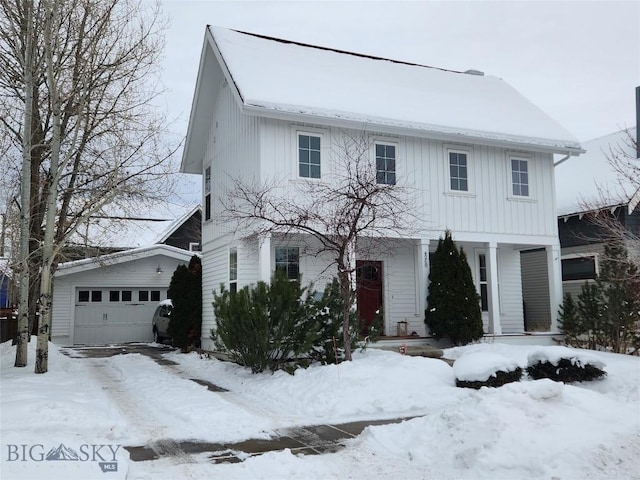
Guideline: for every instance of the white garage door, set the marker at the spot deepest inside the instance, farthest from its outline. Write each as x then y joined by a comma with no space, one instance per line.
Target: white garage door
104,316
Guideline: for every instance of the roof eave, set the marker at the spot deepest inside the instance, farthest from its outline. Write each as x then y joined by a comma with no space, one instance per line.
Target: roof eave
519,143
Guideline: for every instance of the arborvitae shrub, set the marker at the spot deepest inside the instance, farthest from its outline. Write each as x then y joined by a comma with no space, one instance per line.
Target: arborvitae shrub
453,305
565,371
267,326
497,380
185,292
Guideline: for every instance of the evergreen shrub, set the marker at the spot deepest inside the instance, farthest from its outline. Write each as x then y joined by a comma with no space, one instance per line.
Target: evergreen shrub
496,380
453,305
185,292
267,326
565,371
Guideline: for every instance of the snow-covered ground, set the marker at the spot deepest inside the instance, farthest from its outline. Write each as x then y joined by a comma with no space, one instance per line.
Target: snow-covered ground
527,430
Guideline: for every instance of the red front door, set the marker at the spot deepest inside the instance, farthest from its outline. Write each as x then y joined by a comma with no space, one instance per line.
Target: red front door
369,283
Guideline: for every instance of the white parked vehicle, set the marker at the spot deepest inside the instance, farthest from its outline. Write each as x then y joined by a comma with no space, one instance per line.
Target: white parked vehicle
160,322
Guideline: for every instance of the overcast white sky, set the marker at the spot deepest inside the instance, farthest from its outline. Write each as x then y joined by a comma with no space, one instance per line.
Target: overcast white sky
578,61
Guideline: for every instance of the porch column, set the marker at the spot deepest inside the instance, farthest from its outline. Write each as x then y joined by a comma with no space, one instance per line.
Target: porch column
554,269
422,263
264,258
493,299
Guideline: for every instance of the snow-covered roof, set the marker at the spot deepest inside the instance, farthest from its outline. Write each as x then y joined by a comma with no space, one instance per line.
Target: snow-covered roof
284,79
68,268
590,182
140,229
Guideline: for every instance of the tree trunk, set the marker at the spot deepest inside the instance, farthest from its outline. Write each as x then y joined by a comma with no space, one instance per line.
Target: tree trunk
48,248
25,183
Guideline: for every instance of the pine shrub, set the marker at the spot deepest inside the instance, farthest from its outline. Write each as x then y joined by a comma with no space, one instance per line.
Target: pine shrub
565,371
453,305
267,326
607,313
496,380
185,292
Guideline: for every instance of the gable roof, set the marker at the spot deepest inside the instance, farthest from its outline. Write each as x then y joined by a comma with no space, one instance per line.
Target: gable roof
69,268
282,79
171,229
592,181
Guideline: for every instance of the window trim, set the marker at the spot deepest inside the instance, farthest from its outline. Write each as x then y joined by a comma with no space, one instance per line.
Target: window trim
233,282
483,251
297,130
530,175
468,150
390,143
274,265
590,254
207,193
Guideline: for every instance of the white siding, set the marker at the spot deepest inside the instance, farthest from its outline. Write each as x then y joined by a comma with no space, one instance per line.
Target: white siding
488,208
511,290
135,274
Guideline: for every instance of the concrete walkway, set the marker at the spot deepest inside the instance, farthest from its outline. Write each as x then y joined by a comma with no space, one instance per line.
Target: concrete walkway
307,440
310,440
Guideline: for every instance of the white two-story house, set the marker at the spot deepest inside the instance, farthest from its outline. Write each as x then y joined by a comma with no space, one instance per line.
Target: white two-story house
478,152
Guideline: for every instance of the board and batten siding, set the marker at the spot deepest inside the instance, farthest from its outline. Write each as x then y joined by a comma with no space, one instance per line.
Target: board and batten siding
488,207
232,152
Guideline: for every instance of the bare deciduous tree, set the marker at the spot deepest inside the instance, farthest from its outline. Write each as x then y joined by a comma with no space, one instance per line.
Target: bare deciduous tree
349,205
614,203
96,141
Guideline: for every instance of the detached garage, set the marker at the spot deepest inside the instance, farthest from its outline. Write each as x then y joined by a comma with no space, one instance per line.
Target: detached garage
111,299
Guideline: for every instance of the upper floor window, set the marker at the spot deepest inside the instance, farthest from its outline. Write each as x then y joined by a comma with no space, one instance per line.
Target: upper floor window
520,177
385,164
288,261
207,193
309,155
233,269
458,171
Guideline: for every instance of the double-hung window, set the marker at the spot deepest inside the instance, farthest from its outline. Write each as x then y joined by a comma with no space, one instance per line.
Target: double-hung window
309,149
207,193
385,164
233,269
520,177
288,261
458,171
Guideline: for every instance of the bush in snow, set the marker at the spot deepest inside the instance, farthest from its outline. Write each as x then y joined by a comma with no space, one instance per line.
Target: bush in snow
185,292
564,364
267,326
607,313
476,370
453,305
329,345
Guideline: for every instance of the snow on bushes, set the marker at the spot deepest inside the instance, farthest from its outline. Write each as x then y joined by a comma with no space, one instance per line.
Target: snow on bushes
477,370
564,364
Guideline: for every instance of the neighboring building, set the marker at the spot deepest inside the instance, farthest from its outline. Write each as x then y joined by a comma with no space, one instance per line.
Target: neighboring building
111,299
594,185
479,152
167,224
584,186
5,283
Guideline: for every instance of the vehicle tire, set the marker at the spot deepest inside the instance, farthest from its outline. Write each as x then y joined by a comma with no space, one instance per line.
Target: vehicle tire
156,337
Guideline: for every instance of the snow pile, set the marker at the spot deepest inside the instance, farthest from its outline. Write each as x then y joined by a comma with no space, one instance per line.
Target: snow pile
553,355
479,366
526,430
